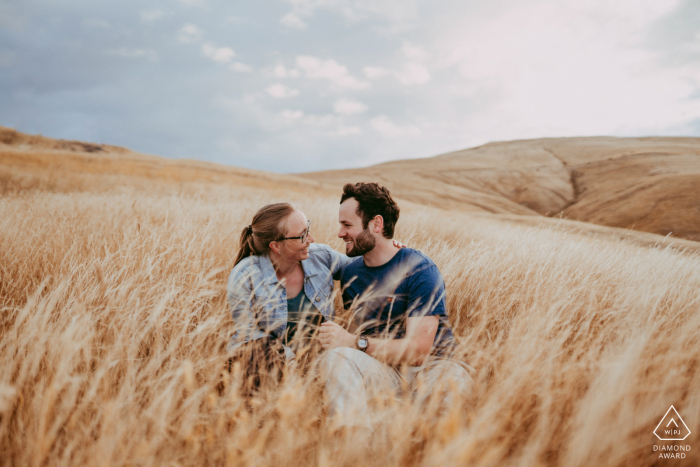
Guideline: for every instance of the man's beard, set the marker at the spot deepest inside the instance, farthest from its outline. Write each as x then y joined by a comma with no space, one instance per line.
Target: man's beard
363,243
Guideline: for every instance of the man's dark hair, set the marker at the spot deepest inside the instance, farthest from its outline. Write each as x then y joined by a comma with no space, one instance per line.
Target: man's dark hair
374,200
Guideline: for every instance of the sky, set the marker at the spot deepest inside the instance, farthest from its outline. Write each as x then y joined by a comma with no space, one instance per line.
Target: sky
305,85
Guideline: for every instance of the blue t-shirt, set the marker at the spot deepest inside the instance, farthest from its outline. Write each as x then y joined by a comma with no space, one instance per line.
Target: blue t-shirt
409,285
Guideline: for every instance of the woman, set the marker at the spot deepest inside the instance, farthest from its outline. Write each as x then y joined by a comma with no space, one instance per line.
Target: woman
281,286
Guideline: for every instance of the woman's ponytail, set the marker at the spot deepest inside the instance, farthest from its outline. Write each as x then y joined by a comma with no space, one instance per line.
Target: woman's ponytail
267,226
246,248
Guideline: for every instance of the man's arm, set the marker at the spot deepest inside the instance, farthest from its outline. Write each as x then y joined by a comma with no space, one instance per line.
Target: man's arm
412,349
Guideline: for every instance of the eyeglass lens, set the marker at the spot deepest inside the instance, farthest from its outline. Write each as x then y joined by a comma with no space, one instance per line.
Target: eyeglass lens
306,233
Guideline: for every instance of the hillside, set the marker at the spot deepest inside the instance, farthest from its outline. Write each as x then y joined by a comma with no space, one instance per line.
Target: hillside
645,184
29,162
519,182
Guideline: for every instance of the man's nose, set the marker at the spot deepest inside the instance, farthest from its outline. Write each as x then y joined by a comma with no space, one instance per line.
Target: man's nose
310,239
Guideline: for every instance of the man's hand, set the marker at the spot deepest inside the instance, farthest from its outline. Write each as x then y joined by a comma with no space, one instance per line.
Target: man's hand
332,335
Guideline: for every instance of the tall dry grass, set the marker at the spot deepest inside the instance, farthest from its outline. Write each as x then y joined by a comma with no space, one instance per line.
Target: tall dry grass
114,325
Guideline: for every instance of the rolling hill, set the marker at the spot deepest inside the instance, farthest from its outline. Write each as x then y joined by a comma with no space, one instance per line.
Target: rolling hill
638,189
644,184
36,162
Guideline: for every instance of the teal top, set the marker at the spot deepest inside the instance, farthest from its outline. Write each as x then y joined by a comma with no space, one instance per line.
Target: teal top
302,314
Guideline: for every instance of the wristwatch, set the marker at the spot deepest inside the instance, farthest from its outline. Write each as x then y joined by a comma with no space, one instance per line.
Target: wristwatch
362,343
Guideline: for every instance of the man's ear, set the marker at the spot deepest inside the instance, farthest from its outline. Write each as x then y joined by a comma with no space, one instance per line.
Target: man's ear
378,224
274,246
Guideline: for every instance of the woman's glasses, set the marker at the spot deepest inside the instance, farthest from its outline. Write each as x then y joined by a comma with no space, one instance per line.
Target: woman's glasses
304,234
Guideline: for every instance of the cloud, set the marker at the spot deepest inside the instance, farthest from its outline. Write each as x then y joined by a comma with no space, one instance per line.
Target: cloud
570,69
321,120
292,20
218,54
413,73
413,52
347,131
302,121
386,127
124,52
374,72
190,33
241,67
316,68
149,16
280,71
280,91
349,107
393,15
292,114
331,124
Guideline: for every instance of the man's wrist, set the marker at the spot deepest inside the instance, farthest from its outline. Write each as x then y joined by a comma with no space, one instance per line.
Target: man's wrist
351,340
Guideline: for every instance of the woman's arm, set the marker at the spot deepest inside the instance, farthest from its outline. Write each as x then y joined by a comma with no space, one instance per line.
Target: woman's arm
241,299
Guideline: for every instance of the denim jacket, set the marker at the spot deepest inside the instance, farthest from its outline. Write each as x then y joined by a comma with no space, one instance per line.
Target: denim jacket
259,303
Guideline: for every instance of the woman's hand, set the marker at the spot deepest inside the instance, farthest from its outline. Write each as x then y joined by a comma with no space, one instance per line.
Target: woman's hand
398,244
333,335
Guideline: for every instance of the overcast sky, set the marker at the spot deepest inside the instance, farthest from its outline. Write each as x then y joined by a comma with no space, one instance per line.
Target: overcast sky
301,85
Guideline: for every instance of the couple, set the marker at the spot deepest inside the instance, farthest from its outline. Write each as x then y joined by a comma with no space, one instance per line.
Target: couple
280,294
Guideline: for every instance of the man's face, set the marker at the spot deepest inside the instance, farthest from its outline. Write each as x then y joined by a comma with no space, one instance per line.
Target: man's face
358,241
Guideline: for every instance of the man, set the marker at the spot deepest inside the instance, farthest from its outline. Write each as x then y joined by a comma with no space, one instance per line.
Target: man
398,300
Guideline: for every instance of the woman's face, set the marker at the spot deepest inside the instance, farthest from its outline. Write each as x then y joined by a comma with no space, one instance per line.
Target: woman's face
295,250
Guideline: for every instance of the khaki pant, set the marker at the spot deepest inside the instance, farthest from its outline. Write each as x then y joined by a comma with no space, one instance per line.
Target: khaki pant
352,378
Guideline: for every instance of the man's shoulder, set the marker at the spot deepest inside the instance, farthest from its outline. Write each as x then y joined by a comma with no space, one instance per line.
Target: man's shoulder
420,266
416,257
354,263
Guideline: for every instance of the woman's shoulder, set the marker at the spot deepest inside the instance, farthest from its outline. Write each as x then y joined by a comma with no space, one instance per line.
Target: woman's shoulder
246,266
248,261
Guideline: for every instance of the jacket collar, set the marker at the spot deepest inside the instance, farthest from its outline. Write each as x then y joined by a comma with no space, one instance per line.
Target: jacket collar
267,269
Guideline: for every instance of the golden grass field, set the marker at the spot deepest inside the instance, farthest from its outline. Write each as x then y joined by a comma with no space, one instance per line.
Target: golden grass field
114,323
